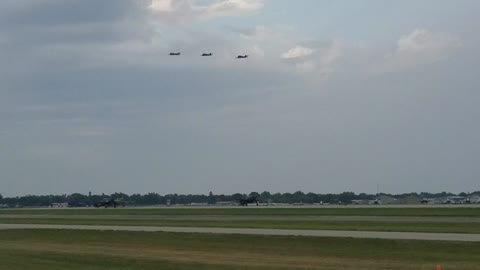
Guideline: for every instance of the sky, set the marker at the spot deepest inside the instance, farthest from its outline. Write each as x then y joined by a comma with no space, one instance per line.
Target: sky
334,96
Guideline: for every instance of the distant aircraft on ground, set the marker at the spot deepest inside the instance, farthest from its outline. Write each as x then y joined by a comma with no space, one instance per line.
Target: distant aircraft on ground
175,54
242,56
110,203
207,54
247,201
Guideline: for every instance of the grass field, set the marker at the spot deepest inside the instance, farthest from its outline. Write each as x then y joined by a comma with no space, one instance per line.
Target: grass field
426,211
52,249
272,224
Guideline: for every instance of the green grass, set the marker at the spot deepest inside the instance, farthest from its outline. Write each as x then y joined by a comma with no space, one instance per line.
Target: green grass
21,260
440,227
57,249
300,211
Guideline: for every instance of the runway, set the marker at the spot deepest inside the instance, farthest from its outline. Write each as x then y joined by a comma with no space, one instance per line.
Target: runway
248,217
310,233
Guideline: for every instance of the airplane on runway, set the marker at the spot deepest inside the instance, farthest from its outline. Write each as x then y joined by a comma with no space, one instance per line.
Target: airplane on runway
247,201
110,203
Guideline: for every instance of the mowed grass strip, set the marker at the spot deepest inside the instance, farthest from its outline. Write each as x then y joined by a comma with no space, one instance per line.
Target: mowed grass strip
431,227
57,249
264,211
51,260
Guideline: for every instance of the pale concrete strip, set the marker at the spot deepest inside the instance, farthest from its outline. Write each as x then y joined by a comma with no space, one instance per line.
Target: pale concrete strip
315,233
249,217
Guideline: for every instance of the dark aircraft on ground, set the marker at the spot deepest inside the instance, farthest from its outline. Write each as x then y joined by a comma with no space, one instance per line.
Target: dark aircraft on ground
110,203
174,54
247,201
207,54
242,56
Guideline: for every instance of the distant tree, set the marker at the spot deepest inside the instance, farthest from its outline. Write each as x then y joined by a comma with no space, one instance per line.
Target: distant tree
151,199
211,198
254,194
120,195
277,198
346,197
364,196
238,196
77,199
312,198
299,197
265,197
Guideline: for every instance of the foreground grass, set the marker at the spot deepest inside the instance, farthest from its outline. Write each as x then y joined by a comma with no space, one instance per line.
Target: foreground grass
57,249
270,224
300,211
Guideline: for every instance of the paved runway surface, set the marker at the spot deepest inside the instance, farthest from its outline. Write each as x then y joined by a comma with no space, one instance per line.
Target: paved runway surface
247,217
315,233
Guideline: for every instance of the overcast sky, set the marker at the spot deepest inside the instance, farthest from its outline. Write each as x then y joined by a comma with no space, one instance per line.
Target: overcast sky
335,96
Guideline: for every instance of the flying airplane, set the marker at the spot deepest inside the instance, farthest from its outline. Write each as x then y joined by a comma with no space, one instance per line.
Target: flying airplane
174,54
242,56
207,54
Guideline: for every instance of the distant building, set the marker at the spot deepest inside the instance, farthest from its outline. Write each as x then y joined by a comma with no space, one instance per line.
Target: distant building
59,205
199,204
475,199
412,200
376,201
357,202
226,203
455,200
384,199
427,201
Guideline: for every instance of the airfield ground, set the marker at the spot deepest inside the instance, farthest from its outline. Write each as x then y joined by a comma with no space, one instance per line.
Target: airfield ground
82,249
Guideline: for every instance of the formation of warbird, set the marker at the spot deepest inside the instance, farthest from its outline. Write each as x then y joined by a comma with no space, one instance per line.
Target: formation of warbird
208,54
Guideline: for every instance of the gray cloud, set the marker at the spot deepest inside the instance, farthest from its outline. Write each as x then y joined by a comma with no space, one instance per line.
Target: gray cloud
90,99
181,10
42,13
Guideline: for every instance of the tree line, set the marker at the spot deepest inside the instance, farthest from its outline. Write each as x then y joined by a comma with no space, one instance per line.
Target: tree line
79,200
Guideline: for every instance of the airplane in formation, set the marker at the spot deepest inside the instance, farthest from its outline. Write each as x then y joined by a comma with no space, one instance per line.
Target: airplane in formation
209,54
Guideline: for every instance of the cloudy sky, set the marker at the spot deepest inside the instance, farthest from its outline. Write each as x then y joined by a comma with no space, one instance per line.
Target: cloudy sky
335,96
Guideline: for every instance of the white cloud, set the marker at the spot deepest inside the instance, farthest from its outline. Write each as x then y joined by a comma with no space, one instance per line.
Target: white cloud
162,5
423,41
420,47
321,59
189,9
233,7
329,56
263,32
258,50
297,52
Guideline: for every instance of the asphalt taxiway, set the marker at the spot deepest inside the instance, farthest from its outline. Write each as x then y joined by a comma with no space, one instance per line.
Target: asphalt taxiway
311,233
